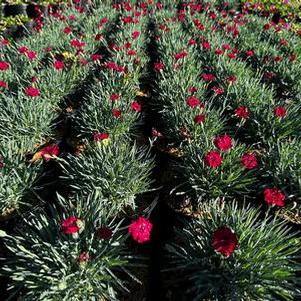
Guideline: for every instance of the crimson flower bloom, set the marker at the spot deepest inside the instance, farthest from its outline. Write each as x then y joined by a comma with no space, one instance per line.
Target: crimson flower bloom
249,161
192,42
292,57
100,136
114,97
22,49
58,65
242,112
198,119
67,30
3,84
140,230
96,57
4,65
192,101
136,106
274,196
180,55
32,92
219,51
231,78
135,34
206,45
116,113
224,241
131,52
280,111
223,142
98,37
49,151
226,46
159,66
208,77
32,55
105,233
213,159
250,53
84,257
71,225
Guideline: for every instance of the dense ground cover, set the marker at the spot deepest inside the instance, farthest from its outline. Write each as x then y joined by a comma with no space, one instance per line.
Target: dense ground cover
144,140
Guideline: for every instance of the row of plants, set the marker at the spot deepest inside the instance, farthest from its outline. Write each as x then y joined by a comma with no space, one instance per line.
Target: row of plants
232,142
36,76
82,237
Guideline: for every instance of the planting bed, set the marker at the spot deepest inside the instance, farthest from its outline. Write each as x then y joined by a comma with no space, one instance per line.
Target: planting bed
151,151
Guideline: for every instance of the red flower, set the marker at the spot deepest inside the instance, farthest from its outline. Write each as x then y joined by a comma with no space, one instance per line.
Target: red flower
206,45
231,78
274,196
2,164
249,161
191,42
98,37
114,97
3,84
49,151
4,66
135,34
224,241
192,101
219,51
198,119
226,46
116,113
100,136
32,92
140,230
213,159
136,106
217,90
131,52
223,142
280,111
105,233
71,225
292,57
209,77
232,55
242,112
96,57
67,30
84,257
32,55
58,65
159,66
250,53
22,49
156,133
180,55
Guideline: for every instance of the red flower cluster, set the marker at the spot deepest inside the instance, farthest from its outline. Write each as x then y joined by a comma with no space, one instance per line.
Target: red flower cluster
192,101
136,106
100,136
242,112
140,230
224,241
274,196
249,161
32,92
213,159
71,225
58,65
223,142
48,152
